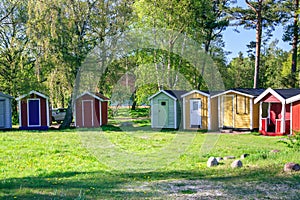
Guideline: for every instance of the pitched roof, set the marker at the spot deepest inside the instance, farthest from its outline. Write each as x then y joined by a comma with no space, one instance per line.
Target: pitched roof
5,95
102,96
205,93
176,93
250,92
284,95
96,95
32,92
288,93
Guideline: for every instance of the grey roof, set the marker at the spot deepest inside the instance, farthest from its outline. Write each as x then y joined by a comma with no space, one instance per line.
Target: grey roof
176,93
212,93
5,95
287,93
251,91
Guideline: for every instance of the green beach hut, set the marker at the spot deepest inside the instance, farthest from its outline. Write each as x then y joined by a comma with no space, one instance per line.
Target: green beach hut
166,109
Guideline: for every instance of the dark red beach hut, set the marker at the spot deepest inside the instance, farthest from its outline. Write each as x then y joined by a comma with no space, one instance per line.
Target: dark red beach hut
33,111
279,111
91,110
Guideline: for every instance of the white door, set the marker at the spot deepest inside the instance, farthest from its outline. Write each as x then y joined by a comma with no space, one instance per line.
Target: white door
195,117
2,113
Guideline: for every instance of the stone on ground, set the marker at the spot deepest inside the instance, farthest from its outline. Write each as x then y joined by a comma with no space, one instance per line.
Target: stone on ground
236,164
288,167
243,156
212,161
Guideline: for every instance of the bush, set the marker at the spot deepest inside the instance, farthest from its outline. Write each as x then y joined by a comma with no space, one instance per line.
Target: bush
293,141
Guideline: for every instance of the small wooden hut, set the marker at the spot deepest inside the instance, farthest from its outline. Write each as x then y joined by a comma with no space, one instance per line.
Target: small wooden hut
279,111
5,111
166,109
34,111
199,111
236,109
91,110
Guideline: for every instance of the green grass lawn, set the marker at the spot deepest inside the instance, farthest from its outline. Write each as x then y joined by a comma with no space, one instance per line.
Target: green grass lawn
135,162
96,164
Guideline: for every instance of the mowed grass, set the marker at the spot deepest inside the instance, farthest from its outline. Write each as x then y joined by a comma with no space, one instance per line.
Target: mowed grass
129,160
116,163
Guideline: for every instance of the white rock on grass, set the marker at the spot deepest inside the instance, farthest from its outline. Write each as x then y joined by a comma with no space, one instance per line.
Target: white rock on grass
288,167
243,156
212,161
236,164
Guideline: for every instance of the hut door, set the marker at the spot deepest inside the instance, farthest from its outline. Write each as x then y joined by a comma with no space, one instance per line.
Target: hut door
87,113
2,113
195,107
228,110
163,107
34,114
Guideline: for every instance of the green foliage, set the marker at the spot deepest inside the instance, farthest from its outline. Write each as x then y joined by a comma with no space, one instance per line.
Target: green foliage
242,69
293,141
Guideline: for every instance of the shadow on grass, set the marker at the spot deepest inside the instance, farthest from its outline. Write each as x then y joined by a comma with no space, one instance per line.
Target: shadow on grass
126,185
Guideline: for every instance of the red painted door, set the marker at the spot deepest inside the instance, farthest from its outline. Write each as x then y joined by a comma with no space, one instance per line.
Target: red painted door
296,116
87,113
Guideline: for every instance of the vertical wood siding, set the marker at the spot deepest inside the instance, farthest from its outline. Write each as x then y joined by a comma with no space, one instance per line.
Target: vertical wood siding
296,116
170,116
204,110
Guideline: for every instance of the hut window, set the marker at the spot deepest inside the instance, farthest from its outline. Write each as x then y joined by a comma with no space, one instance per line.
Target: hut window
163,103
242,104
195,105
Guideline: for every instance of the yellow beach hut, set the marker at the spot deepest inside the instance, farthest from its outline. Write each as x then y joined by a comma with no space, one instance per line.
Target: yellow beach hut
236,109
199,111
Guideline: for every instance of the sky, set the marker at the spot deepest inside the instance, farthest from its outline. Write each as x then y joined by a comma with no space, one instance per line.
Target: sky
236,42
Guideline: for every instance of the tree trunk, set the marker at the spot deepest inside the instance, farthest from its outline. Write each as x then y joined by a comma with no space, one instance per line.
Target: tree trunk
294,46
69,116
133,106
258,45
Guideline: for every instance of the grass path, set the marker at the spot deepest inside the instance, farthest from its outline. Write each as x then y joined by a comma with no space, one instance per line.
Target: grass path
85,164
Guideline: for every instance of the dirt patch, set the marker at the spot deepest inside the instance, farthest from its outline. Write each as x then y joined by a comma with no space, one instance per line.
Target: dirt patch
206,189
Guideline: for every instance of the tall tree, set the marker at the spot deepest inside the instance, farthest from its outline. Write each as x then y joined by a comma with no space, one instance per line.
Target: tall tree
17,65
69,29
208,20
292,35
295,40
260,14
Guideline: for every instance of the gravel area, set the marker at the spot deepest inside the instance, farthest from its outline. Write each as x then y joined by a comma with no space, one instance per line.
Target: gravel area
207,189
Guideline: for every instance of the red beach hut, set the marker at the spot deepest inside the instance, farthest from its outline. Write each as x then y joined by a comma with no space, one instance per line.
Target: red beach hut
279,111
91,110
33,111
